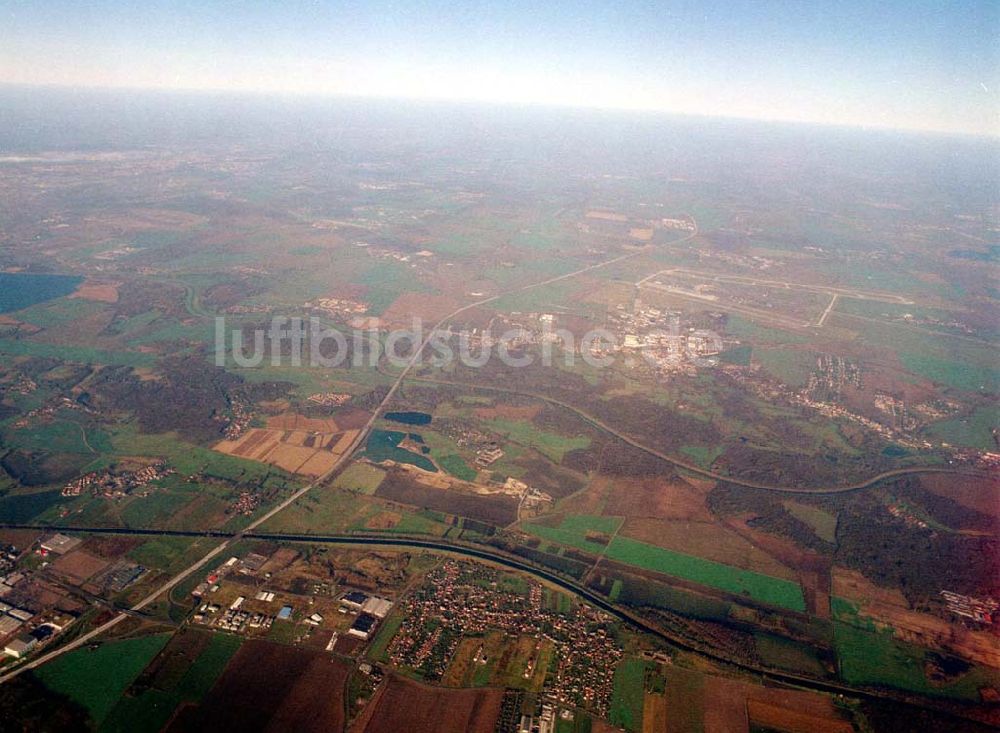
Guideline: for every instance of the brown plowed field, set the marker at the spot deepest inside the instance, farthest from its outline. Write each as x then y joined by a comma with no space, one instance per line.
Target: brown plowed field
272,687
654,713
708,540
78,566
654,497
794,711
353,419
405,705
430,308
402,489
101,292
294,421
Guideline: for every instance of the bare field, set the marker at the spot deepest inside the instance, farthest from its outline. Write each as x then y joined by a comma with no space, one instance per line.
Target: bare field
525,413
430,308
405,705
294,421
293,447
725,706
932,632
656,498
78,566
854,586
399,486
101,292
272,687
352,419
794,712
384,520
654,713
729,706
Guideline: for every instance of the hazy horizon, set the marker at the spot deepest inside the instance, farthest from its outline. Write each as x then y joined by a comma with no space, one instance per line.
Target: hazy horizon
906,66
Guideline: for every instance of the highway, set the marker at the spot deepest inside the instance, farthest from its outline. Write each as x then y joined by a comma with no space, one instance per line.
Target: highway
344,458
696,469
511,562
482,553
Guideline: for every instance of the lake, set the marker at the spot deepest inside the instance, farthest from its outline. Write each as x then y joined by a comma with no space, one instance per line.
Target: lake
20,289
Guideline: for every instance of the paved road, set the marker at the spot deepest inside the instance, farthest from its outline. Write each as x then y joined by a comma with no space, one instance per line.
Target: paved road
108,625
359,438
829,308
694,468
496,556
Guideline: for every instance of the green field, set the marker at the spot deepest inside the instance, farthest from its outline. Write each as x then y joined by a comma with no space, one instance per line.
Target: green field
188,459
875,658
60,436
822,522
551,445
457,467
96,678
361,477
580,724
23,507
384,636
627,697
573,529
974,431
952,372
783,653
763,588
169,554
150,511
79,354
383,445
790,366
151,709
420,522
702,455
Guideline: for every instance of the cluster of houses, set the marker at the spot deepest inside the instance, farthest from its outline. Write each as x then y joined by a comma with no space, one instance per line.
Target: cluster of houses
115,484
329,399
984,610
468,599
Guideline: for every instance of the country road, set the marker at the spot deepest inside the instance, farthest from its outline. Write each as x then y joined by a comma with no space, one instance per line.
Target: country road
344,458
503,559
694,468
484,553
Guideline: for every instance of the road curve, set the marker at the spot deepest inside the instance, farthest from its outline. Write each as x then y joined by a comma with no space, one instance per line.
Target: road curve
358,439
493,555
694,468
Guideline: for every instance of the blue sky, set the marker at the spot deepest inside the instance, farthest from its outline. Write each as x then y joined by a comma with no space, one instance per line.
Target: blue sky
916,64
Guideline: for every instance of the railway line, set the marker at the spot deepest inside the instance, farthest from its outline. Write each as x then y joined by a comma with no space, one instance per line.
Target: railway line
494,556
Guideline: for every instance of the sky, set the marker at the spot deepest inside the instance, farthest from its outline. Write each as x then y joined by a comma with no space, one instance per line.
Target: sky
908,64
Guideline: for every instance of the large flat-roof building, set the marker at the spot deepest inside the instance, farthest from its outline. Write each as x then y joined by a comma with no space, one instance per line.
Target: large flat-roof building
59,544
363,625
355,599
378,607
19,647
8,625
